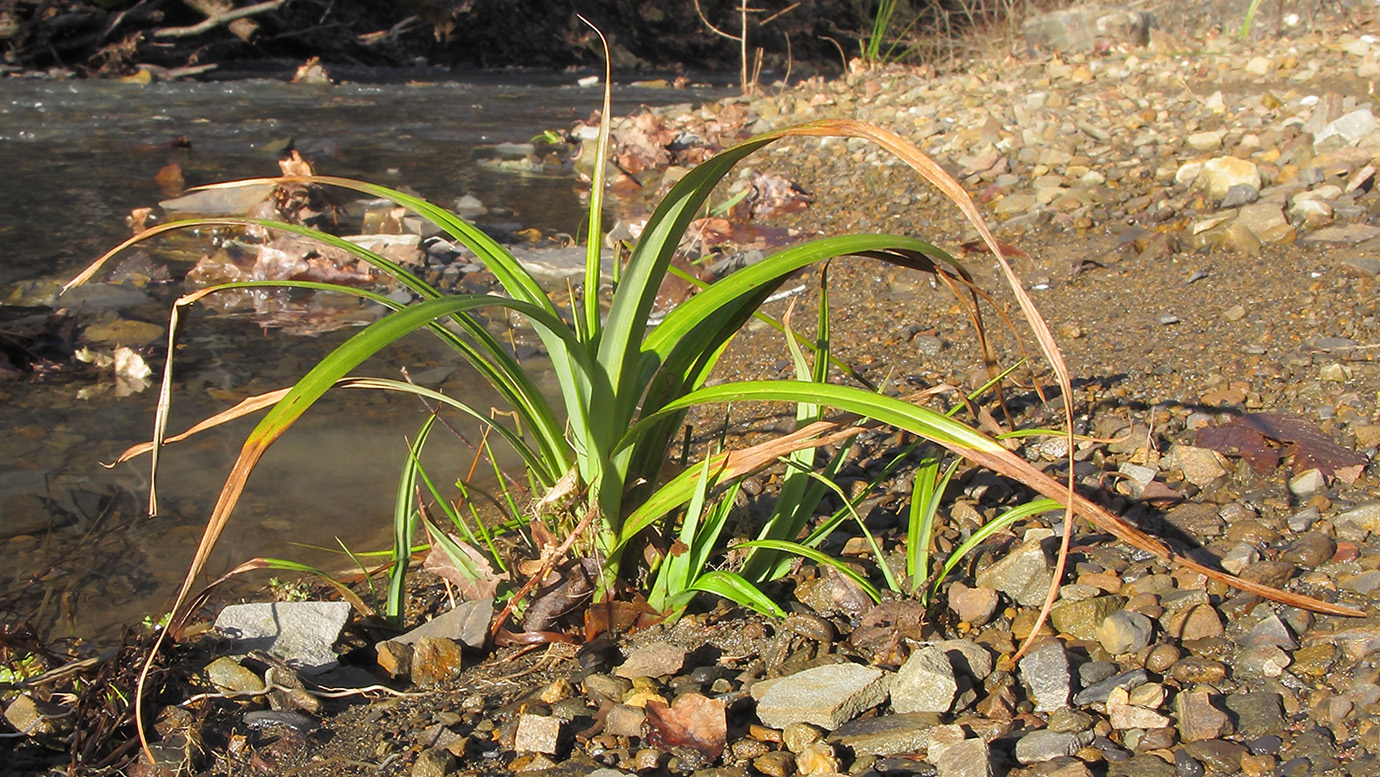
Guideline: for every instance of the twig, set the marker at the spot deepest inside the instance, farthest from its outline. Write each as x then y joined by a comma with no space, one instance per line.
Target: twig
213,22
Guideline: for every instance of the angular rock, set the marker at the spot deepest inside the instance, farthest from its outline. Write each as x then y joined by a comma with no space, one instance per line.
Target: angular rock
886,734
924,683
1078,29
467,623
1045,670
435,660
433,762
969,758
537,734
967,657
1122,714
825,696
1025,574
1347,130
974,606
1198,717
300,633
1257,713
1366,516
228,675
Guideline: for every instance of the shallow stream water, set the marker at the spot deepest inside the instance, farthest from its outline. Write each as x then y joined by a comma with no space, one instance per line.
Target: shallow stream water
77,156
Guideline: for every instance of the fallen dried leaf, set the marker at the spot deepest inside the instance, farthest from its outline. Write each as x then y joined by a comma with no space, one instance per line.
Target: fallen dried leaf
1249,437
692,720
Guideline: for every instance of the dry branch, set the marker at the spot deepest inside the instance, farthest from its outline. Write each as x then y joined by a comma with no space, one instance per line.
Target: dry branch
218,13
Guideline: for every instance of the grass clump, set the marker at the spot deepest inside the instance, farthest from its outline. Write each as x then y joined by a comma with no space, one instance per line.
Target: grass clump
596,450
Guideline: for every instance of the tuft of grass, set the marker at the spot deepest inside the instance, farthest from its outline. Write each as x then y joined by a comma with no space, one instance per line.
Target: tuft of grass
596,449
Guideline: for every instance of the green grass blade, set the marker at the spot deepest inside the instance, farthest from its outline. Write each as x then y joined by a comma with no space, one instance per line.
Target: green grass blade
819,557
737,590
405,525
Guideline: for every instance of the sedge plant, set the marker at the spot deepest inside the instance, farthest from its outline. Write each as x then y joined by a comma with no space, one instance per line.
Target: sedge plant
597,448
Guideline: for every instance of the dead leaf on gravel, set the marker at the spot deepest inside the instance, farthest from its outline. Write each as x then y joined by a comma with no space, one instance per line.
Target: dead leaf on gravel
481,585
692,720
1251,435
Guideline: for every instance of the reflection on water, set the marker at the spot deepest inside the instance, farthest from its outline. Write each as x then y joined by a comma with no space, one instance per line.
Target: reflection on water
77,157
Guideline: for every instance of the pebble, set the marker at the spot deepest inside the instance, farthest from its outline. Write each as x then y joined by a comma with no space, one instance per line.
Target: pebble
1045,670
1125,632
1044,745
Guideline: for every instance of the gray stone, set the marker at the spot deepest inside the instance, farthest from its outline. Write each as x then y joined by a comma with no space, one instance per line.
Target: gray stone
1024,574
1266,221
1347,130
1240,194
1259,661
467,623
1045,670
1094,694
887,734
300,633
1361,266
825,696
1309,550
969,758
1270,630
1346,234
652,660
924,683
1125,632
1257,713
1045,745
1078,29
537,734
234,201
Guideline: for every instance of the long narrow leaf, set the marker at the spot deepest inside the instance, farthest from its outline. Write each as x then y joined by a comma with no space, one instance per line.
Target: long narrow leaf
405,524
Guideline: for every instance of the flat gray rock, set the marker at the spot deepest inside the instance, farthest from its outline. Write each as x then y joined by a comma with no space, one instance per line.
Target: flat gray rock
467,623
826,696
887,734
1045,745
300,633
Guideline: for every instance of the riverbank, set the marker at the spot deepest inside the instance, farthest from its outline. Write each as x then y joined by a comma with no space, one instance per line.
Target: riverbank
1198,224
